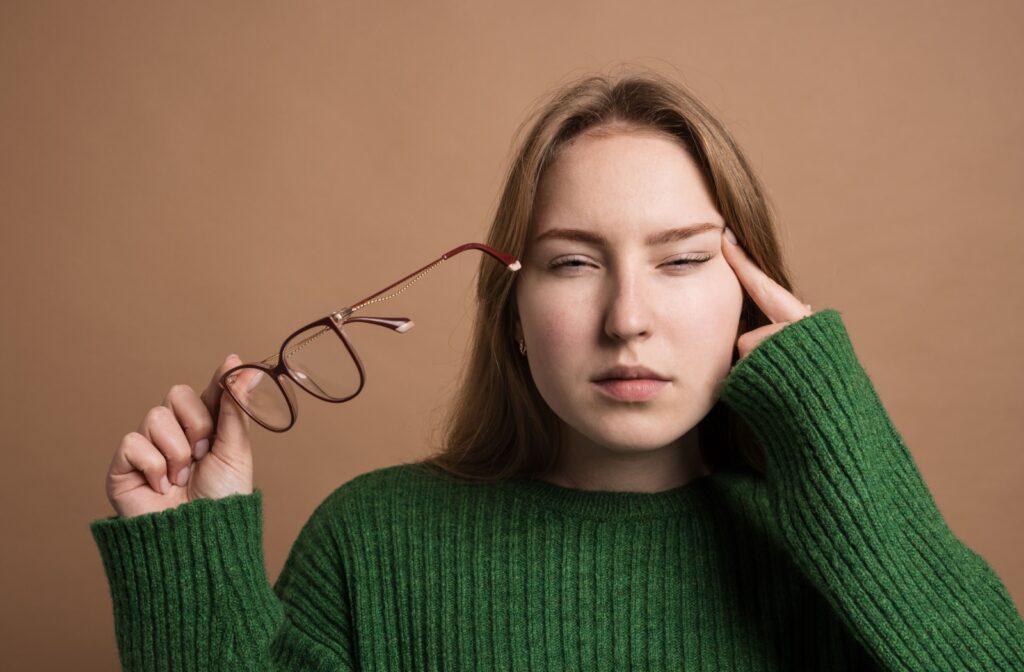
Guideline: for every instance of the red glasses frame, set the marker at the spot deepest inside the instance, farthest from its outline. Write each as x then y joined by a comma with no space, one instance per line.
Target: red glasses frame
334,322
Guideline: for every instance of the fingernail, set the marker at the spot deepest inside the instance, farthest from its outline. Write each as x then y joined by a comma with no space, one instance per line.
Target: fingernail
183,476
730,236
202,445
254,382
165,485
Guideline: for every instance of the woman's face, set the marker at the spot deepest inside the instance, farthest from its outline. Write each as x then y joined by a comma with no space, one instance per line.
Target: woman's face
587,305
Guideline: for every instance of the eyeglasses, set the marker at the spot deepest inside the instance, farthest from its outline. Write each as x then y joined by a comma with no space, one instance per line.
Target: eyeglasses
320,357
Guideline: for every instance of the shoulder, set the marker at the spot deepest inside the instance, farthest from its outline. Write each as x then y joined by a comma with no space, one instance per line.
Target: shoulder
406,485
357,523
388,480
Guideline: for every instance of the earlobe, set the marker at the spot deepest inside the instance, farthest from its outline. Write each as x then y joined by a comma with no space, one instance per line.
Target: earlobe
519,338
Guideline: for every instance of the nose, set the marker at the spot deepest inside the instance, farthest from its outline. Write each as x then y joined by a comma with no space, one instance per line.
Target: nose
628,314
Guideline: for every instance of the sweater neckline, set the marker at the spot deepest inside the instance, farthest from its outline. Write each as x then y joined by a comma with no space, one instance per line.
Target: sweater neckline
610,504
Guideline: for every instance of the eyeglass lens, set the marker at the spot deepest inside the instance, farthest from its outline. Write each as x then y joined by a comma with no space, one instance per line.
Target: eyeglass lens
320,363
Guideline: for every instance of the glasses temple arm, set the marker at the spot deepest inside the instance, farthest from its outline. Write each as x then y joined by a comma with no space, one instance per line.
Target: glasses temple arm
507,259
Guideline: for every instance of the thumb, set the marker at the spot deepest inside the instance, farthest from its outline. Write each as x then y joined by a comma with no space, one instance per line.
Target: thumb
232,438
750,340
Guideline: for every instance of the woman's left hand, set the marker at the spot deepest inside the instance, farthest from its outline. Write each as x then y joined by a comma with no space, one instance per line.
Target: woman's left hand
774,300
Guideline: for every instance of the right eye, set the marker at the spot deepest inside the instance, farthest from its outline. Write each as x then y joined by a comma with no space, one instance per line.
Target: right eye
567,262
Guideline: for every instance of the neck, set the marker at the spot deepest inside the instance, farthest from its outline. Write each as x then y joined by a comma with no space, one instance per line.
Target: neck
584,465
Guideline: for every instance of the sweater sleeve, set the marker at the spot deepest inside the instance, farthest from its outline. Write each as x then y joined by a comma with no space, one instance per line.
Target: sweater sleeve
190,591
856,515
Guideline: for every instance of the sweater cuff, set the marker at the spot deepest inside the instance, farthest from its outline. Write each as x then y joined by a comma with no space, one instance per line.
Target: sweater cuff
796,391
835,464
178,578
827,437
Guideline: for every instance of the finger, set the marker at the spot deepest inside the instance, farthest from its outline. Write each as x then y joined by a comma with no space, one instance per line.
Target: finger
160,427
750,340
193,417
232,438
137,454
231,432
211,395
774,300
214,392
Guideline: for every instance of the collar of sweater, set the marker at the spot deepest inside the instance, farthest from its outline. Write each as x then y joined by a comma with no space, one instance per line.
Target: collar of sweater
610,504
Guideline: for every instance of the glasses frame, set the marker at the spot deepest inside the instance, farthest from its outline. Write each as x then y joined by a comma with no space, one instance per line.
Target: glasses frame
334,321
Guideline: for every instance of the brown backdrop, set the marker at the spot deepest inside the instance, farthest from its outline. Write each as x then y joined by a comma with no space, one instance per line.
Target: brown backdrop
178,183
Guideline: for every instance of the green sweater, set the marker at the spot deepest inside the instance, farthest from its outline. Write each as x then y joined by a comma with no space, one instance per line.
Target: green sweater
837,559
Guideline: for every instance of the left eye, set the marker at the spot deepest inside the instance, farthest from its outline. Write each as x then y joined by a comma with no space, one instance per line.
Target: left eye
693,261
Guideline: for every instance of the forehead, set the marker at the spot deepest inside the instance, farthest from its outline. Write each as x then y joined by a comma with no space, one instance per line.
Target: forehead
624,183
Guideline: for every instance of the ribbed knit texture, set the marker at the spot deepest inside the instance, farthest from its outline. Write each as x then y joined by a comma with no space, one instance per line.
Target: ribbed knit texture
838,559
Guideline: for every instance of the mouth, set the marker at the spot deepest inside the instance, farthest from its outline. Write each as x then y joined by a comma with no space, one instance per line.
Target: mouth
623,372
631,389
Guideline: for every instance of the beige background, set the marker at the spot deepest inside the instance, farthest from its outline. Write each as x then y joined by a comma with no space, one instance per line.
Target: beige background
179,181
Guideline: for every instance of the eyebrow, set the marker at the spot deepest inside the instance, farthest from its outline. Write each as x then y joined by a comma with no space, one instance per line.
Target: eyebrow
660,238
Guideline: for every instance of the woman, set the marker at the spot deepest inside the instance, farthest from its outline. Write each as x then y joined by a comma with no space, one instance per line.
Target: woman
660,459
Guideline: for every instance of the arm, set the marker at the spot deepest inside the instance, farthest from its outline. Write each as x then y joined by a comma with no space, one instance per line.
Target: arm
190,591
856,515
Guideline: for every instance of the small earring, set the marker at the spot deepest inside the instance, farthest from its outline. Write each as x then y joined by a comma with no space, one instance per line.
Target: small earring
522,347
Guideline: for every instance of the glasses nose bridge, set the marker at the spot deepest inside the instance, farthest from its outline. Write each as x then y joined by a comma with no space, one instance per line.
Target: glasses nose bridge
339,316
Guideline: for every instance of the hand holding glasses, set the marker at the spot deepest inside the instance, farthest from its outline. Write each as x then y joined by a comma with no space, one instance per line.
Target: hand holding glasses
320,357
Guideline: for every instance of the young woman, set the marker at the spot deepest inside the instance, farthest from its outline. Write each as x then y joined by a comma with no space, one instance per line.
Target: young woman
660,458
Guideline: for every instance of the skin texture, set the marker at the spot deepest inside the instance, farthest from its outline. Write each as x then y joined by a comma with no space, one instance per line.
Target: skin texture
625,302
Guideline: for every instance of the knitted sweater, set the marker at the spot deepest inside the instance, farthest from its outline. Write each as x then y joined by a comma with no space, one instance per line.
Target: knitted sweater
836,559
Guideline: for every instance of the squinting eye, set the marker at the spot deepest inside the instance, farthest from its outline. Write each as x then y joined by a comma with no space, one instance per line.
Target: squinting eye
693,261
570,262
577,262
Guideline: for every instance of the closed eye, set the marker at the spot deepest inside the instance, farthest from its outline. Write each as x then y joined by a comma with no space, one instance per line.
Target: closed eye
579,262
690,261
574,262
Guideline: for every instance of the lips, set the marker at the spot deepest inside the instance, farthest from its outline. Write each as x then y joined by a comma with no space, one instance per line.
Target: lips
633,389
631,372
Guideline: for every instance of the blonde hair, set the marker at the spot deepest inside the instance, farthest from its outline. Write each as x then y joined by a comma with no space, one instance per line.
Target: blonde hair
498,425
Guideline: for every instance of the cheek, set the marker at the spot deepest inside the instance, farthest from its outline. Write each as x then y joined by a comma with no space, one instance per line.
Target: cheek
555,348
715,306
705,317
706,301
550,327
554,335
720,295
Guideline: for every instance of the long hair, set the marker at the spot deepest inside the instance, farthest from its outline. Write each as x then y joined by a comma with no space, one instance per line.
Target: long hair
498,426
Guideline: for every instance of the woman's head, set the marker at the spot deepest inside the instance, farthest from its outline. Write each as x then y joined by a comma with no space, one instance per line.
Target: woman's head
605,283
622,158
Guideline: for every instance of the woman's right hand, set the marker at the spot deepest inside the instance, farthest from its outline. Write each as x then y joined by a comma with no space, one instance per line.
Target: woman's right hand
174,457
